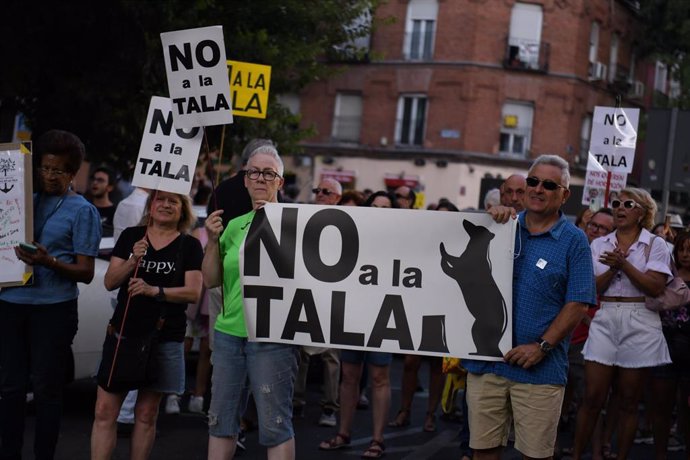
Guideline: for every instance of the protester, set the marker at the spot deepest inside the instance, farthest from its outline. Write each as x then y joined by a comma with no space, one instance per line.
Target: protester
39,320
552,286
405,197
379,369
625,338
492,198
513,192
600,224
668,379
328,192
101,186
149,299
351,198
240,365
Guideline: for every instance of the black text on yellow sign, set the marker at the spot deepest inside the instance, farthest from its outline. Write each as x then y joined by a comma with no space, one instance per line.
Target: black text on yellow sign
249,84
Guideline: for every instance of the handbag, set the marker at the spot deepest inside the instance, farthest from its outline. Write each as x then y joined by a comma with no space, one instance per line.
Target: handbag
136,363
675,295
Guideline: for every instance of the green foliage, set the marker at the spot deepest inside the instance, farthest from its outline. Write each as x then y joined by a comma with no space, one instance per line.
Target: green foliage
92,67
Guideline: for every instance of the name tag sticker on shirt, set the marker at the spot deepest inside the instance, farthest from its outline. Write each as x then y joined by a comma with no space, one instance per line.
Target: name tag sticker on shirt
541,263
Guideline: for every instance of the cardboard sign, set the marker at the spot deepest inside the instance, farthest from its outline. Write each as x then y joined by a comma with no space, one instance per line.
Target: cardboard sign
613,138
16,211
593,193
249,84
337,276
167,156
197,78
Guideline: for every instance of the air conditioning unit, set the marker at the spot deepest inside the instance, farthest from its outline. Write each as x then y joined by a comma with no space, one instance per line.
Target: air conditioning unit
637,90
597,71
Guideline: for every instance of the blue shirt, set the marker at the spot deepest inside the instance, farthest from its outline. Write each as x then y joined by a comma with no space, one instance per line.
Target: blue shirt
73,228
552,269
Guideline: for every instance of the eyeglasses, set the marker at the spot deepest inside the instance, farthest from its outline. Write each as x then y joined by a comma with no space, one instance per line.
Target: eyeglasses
400,196
598,228
52,172
547,184
268,175
627,204
323,191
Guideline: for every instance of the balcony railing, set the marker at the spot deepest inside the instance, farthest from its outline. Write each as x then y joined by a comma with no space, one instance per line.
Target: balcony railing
527,55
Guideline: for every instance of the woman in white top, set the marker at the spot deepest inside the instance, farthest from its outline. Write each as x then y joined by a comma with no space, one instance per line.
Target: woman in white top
625,339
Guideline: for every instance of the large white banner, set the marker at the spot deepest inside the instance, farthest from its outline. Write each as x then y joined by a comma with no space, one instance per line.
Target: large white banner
394,280
198,82
167,156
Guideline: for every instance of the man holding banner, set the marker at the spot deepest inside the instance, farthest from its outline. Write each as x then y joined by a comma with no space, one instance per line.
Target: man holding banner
553,284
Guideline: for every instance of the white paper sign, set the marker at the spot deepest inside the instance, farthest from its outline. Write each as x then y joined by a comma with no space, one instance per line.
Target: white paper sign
167,156
594,191
13,214
197,76
613,138
394,280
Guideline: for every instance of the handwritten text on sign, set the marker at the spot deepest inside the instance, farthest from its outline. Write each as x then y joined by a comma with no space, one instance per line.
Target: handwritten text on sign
344,277
249,84
167,156
613,137
197,78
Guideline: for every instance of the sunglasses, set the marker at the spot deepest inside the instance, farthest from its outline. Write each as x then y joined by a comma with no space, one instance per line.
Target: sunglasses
400,196
547,184
627,204
323,191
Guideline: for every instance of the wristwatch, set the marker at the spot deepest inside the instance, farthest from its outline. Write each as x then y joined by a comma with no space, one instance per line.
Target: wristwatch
545,346
160,297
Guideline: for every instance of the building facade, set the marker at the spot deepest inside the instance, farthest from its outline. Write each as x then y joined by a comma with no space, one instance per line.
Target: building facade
456,91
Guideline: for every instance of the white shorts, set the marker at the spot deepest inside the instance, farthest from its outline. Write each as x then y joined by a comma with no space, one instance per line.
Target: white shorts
626,335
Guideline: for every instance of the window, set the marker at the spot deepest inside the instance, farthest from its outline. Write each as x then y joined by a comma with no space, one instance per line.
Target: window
409,127
660,77
613,58
525,34
419,29
585,136
516,128
347,119
594,42
290,101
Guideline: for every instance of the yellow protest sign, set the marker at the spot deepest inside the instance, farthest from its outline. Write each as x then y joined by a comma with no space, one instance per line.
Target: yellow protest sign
249,84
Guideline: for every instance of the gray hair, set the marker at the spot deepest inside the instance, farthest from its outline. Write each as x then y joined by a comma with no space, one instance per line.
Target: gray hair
336,185
492,198
554,160
270,150
253,145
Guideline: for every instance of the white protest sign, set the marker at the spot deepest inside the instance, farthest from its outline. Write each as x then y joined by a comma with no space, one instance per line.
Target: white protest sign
197,76
613,138
393,280
167,156
16,208
596,180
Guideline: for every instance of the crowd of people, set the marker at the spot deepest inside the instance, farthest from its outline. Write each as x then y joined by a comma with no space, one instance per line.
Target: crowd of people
582,335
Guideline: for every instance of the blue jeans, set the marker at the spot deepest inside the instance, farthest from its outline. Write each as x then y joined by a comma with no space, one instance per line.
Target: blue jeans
34,340
268,370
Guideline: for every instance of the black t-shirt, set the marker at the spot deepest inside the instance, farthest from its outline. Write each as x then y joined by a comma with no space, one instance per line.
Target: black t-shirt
165,267
107,213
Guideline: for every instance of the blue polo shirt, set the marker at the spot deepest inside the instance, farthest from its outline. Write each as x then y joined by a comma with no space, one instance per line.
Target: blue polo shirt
551,269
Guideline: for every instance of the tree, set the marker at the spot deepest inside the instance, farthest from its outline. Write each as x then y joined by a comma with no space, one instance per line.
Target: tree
92,67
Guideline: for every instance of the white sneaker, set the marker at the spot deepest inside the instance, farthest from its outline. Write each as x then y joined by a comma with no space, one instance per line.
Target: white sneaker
172,404
327,419
196,404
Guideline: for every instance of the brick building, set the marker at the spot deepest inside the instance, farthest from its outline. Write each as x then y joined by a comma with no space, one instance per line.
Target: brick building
456,91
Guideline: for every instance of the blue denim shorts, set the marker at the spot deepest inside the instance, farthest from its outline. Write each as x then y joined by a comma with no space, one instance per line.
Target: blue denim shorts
377,358
171,378
268,370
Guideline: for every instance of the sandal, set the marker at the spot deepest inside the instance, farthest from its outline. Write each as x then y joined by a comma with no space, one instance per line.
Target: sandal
339,441
376,449
402,419
607,453
430,422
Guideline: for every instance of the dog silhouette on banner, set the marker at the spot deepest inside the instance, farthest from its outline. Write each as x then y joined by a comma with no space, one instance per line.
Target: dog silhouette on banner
472,272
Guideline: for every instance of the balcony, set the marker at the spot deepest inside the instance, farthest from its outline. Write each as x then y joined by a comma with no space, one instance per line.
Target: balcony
526,55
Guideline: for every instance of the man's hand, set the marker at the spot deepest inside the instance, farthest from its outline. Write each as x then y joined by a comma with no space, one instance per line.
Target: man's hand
526,355
501,214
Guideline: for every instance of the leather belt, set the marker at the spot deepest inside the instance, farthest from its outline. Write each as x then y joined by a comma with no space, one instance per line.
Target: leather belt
622,299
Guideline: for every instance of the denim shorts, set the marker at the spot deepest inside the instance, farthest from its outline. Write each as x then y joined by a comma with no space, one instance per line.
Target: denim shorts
171,378
377,358
268,370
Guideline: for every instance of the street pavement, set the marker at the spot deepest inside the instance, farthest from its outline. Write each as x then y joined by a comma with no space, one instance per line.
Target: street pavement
184,436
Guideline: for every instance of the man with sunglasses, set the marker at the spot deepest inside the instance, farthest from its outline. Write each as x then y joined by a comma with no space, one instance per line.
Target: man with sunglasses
405,197
328,192
553,283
